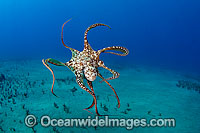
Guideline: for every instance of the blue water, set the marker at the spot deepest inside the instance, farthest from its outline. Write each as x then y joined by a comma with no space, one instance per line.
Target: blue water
160,33
156,32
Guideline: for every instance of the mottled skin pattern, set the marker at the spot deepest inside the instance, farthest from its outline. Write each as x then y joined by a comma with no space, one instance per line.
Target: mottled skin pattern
85,65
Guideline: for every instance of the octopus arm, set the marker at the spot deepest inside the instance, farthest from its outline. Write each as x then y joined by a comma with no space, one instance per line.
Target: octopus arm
115,74
86,44
55,62
115,48
79,80
63,39
91,87
111,88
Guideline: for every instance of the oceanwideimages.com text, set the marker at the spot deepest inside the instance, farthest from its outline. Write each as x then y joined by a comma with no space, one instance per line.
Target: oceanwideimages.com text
105,121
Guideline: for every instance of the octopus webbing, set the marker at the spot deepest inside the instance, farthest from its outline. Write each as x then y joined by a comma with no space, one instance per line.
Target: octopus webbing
85,65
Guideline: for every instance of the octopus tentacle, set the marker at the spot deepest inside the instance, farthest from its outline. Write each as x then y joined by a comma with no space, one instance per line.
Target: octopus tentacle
111,88
91,105
91,87
55,62
115,48
86,44
73,50
79,80
115,74
62,34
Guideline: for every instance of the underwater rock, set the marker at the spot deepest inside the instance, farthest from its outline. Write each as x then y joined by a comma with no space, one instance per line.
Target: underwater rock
13,101
11,109
116,108
108,98
34,131
105,108
42,82
73,90
9,100
27,112
128,109
1,129
1,122
43,92
189,85
97,97
95,127
23,106
55,105
20,121
55,130
61,80
101,105
66,109
67,81
25,95
149,112
14,89
2,77
12,129
124,112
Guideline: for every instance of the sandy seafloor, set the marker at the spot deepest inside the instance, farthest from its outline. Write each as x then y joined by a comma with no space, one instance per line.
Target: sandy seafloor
151,92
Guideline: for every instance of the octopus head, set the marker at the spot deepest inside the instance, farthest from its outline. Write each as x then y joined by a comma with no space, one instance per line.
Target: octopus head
90,73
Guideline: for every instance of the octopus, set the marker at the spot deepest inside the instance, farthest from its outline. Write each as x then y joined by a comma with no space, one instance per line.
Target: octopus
85,65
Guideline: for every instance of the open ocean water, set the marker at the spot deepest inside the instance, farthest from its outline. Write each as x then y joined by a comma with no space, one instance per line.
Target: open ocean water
159,78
